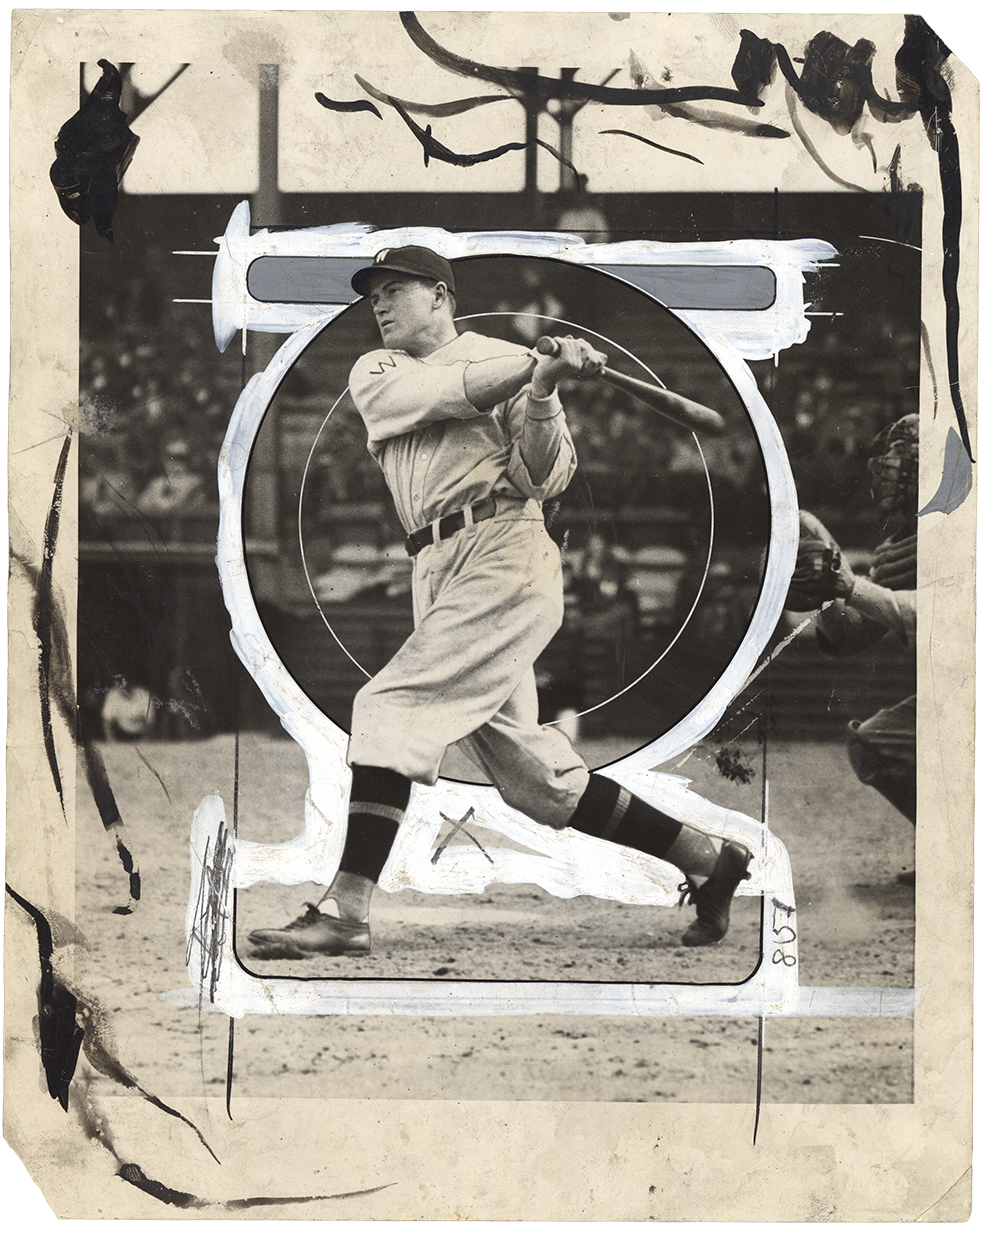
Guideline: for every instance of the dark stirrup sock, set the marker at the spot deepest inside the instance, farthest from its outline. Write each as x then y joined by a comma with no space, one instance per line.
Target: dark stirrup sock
379,798
607,810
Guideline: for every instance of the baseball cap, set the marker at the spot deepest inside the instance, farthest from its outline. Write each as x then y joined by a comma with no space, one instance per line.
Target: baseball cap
410,261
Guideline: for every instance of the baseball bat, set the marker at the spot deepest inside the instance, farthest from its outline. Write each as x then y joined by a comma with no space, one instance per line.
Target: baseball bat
669,404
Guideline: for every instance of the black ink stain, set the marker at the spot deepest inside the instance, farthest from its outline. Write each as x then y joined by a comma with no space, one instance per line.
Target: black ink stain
93,151
903,214
520,81
59,1036
710,119
134,1175
349,105
97,1128
925,342
68,1022
453,108
811,148
920,79
754,64
731,766
230,1068
836,84
438,151
42,617
56,685
650,143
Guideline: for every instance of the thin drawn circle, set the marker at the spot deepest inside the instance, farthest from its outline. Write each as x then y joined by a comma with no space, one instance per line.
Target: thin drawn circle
302,550
708,481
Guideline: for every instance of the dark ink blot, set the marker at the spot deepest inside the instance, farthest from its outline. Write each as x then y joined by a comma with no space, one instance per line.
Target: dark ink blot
59,1035
810,146
706,117
230,1067
755,63
55,685
350,105
925,343
68,1022
134,1175
650,143
902,209
104,798
760,1076
520,81
93,151
921,81
731,766
836,79
42,617
436,150
836,84
453,108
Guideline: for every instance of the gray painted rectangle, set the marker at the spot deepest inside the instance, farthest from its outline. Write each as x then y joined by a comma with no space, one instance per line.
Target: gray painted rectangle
701,286
326,280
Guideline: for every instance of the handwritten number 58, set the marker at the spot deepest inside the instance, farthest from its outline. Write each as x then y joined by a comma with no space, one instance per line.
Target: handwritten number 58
784,933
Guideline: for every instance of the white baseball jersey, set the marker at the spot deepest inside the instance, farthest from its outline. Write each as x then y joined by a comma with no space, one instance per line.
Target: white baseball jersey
439,453
488,599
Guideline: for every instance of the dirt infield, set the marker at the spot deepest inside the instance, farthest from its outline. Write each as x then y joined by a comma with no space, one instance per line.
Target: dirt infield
856,926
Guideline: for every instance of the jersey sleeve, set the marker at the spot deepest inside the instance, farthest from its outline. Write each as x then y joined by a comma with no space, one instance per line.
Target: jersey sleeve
895,610
543,459
395,393
843,629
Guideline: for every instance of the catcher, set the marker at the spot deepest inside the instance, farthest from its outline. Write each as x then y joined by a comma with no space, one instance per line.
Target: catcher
857,612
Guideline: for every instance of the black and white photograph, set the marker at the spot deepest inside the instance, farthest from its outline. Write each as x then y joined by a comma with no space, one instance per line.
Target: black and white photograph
488,632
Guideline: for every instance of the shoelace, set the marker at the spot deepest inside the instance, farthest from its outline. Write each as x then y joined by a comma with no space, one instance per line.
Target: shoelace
687,891
304,920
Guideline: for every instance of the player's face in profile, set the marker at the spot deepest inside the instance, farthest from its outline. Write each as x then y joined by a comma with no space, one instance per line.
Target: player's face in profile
403,307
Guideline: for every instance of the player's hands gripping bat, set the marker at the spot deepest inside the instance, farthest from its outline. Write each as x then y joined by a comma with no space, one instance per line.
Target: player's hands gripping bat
822,572
565,357
669,404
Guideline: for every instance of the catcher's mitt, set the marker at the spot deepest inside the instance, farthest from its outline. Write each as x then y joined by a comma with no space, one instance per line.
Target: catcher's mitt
822,572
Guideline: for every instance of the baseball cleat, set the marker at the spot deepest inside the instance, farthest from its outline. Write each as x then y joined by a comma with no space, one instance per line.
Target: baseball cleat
713,898
313,934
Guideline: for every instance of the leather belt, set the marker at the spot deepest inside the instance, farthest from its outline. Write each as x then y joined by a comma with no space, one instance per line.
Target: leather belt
424,537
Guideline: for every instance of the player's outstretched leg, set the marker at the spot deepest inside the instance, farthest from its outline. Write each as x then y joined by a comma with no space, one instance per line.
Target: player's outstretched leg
379,799
713,871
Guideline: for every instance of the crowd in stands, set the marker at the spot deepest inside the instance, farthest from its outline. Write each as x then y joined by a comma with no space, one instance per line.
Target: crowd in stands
156,398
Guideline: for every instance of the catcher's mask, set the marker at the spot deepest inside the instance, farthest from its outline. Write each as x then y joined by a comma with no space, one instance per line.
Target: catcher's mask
893,467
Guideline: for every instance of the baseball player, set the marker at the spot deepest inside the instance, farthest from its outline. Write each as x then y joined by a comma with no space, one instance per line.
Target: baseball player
471,437
859,611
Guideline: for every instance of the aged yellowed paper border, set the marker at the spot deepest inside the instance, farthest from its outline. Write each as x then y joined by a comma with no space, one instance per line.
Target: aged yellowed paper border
853,1162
